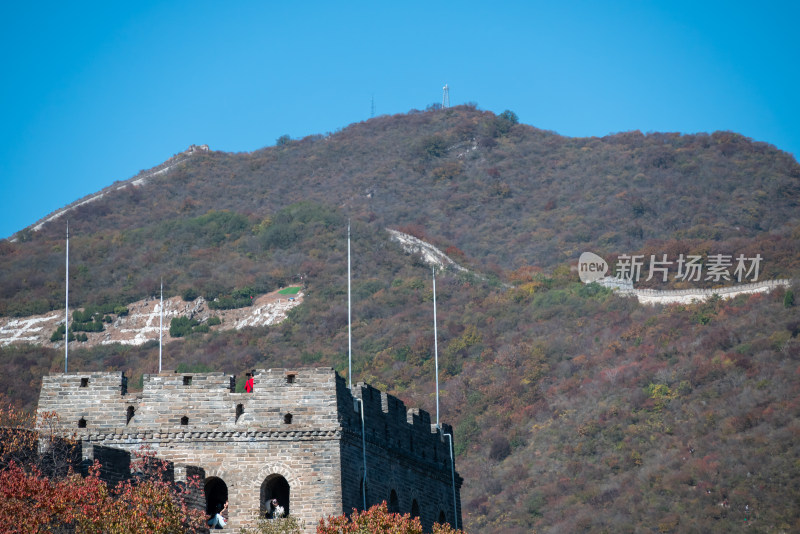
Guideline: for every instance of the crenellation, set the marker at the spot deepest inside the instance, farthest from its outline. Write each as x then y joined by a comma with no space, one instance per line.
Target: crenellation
297,436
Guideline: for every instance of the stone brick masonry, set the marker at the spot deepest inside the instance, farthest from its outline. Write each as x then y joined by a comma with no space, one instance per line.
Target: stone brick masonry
297,437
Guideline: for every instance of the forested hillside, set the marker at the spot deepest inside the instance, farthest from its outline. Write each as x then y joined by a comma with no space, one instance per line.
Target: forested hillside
574,409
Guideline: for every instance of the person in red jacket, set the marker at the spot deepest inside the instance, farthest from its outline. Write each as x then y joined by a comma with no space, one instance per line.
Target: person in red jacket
248,386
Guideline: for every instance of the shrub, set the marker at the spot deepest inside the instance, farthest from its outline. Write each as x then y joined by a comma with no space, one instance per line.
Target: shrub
230,302
189,294
283,525
448,171
58,334
433,146
500,449
92,326
202,328
378,520
182,326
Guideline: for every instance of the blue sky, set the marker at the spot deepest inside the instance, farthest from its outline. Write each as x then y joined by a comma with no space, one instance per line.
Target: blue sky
94,92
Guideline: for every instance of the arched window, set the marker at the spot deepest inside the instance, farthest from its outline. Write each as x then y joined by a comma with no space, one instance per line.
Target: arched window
131,413
414,508
216,492
239,410
275,487
287,419
81,423
442,518
394,503
184,421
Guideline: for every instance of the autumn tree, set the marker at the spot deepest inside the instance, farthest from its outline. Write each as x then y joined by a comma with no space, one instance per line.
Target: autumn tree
40,491
149,502
378,520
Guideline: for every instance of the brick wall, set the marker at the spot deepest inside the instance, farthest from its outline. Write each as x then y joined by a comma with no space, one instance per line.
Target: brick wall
299,431
406,454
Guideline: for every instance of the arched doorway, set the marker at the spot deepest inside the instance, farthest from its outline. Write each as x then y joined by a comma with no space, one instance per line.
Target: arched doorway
414,508
394,503
216,494
275,487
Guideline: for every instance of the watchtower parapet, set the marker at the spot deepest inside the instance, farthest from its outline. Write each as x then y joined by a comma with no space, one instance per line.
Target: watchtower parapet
390,425
297,436
96,397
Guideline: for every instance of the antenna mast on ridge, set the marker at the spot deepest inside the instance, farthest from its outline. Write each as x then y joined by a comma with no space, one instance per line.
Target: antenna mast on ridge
445,96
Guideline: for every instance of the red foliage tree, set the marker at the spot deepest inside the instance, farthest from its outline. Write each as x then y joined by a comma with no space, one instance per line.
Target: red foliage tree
378,520
39,494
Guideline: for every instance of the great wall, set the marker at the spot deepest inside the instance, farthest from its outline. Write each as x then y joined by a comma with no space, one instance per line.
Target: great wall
687,296
140,179
301,436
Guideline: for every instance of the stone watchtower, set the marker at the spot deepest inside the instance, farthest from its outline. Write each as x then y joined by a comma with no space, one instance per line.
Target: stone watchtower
296,437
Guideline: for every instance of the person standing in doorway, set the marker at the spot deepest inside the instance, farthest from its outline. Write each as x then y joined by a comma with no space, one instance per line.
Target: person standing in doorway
274,510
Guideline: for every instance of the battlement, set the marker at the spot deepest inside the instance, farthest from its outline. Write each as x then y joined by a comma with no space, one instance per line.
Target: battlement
390,425
297,436
282,400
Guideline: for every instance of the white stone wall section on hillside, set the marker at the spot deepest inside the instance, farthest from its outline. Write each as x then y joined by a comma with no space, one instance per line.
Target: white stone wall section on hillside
430,254
687,296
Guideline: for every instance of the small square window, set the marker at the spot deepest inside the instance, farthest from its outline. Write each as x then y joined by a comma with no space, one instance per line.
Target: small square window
84,382
82,423
184,421
187,380
290,379
287,419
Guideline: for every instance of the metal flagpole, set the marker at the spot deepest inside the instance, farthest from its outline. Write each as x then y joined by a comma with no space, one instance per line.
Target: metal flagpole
350,373
438,426
66,313
349,317
161,326
436,347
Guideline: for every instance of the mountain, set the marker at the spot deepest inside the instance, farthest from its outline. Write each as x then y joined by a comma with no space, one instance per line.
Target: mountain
574,408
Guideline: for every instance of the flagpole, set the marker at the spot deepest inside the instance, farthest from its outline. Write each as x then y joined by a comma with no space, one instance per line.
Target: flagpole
448,435
349,317
350,374
436,346
161,326
66,311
